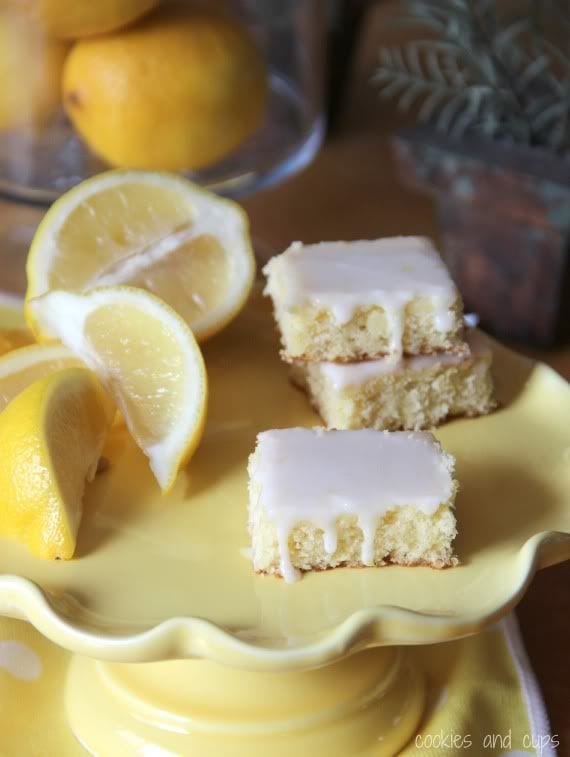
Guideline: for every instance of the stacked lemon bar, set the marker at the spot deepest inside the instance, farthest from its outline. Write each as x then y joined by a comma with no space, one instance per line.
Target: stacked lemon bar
374,333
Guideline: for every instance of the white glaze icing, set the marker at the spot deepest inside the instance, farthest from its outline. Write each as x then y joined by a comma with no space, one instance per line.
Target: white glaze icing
345,276
353,374
317,476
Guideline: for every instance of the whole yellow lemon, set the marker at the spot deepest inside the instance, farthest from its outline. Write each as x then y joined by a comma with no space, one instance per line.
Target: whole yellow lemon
69,19
178,91
30,73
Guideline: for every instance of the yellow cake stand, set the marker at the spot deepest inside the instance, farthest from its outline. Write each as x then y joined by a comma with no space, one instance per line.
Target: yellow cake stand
237,665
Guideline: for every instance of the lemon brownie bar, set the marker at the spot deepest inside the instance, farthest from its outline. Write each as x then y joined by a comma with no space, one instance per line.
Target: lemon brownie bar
320,499
348,301
413,392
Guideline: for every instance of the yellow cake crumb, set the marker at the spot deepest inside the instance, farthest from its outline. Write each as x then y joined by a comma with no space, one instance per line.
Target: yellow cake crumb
348,301
318,501
417,394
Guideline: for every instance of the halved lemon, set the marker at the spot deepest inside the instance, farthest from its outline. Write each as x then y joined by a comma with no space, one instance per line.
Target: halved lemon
155,231
51,437
147,358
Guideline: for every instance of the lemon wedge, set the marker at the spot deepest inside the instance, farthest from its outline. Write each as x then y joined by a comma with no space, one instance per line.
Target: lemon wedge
51,436
21,367
154,231
147,358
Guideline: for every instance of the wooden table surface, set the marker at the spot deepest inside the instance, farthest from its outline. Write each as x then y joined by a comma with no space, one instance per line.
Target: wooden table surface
350,192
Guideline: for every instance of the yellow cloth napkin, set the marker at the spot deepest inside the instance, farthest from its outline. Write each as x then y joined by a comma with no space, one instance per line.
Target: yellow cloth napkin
482,697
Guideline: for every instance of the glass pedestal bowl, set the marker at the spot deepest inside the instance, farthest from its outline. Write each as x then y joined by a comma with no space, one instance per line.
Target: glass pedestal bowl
40,161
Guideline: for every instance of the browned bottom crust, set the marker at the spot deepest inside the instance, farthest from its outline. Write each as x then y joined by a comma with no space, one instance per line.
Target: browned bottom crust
439,565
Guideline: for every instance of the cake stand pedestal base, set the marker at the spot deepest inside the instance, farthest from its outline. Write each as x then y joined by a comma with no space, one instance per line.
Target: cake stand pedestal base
366,705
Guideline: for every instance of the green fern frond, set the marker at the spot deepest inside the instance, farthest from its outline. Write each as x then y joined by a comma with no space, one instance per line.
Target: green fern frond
484,73
506,38
531,73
